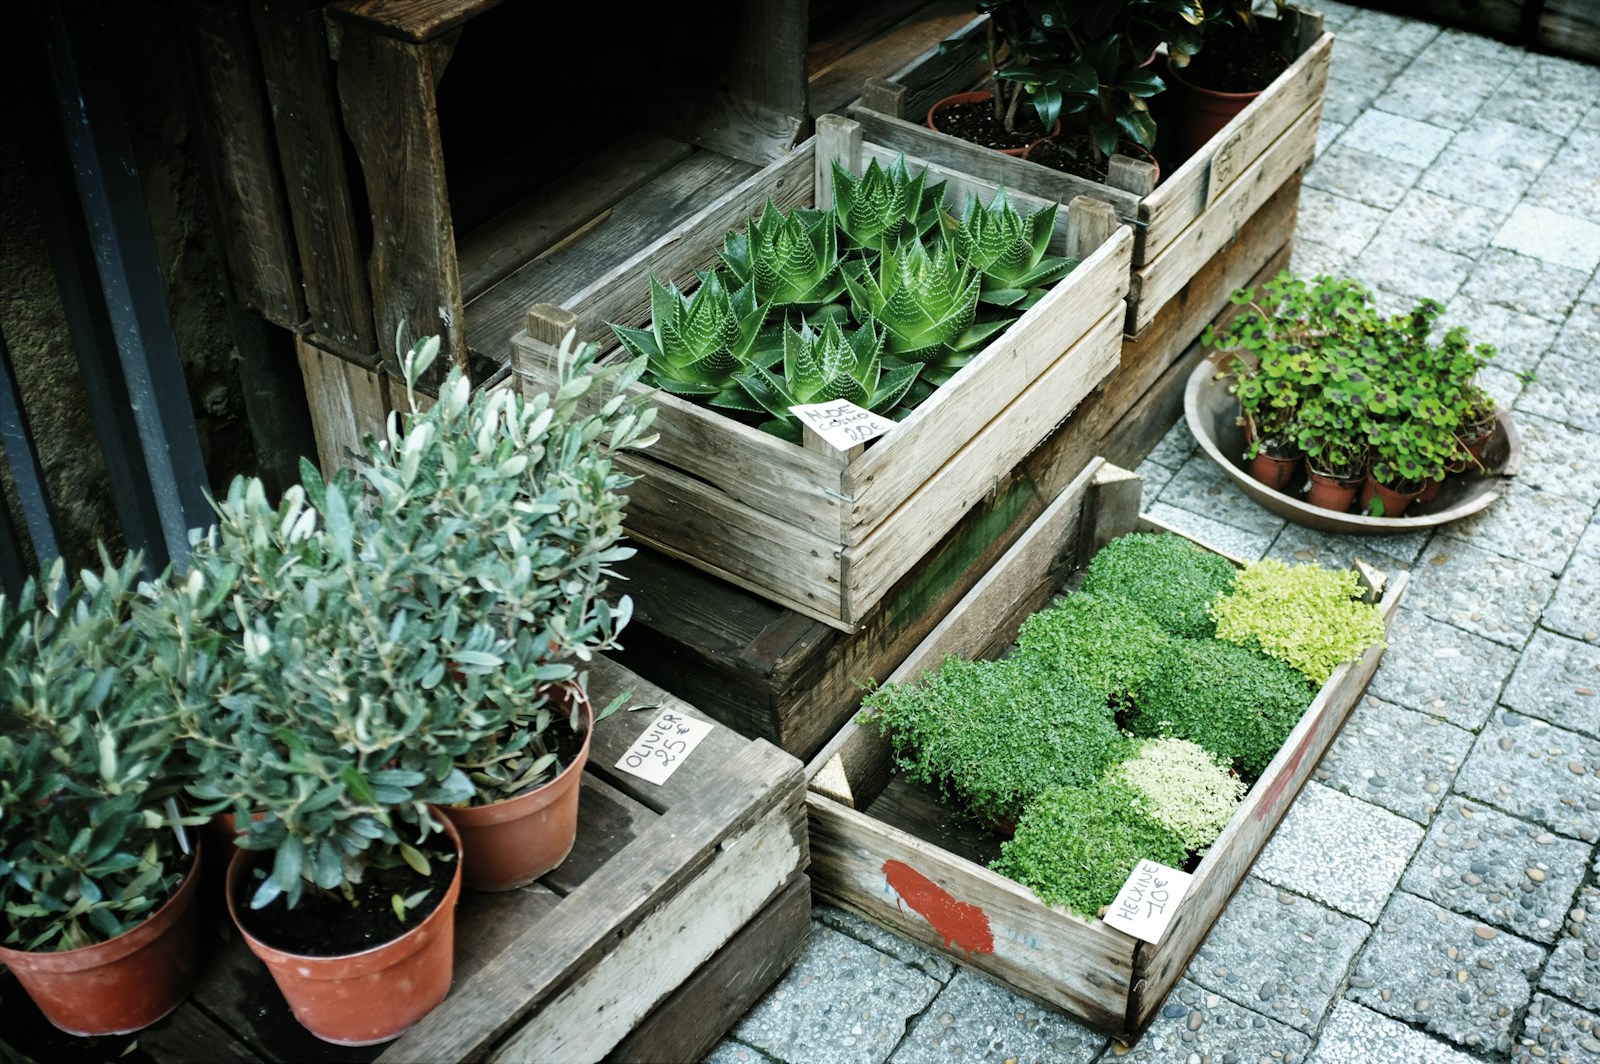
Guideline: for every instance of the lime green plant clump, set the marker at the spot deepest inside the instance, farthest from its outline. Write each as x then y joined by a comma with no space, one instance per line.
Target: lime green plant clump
1109,644
1237,703
1307,616
1168,577
996,734
1075,846
879,300
1183,788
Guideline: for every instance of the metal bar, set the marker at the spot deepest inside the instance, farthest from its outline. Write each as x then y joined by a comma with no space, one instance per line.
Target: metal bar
34,498
81,72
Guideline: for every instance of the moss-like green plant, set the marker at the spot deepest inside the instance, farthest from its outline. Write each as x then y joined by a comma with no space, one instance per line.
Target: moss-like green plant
995,734
1075,846
1310,617
1183,788
1105,641
822,366
1171,578
1237,703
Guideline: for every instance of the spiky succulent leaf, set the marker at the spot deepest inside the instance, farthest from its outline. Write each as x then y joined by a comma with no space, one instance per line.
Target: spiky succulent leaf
826,365
789,259
1010,250
882,209
696,343
925,299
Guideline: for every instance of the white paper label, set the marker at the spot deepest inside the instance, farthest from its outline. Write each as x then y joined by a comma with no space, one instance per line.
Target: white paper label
656,754
842,424
1146,902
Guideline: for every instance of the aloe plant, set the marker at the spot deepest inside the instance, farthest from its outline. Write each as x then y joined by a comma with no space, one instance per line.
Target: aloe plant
696,343
1010,251
927,302
787,259
883,209
824,365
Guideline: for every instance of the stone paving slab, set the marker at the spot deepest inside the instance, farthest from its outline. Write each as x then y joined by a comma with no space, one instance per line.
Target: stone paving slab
885,941
731,1052
1298,545
1395,758
1362,176
1537,527
1426,218
1520,340
1389,33
1345,225
1496,597
1309,258
1566,389
1524,283
843,1002
1244,959
1574,609
1552,236
1489,162
1422,965
1155,477
1439,669
975,1018
1201,487
1560,459
1357,79
1547,93
1558,680
1172,449
1538,772
1395,263
1397,137
1339,850
1215,534
1198,1024
1568,183
1504,871
1574,968
1357,1035
1439,89
1557,1032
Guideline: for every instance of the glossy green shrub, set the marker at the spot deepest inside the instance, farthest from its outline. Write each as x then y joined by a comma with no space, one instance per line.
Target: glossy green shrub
1167,576
1307,616
1108,643
1183,788
1237,703
1075,846
994,734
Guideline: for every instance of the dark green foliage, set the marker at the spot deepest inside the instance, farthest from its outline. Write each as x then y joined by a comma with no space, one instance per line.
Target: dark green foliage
1108,643
1167,576
1235,702
1075,846
997,733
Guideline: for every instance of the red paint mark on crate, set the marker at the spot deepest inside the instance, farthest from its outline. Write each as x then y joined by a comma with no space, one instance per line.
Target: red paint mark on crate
959,923
1275,790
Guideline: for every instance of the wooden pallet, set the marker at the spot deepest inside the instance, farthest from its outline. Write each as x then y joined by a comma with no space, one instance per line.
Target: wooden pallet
823,532
1186,219
679,906
771,672
873,835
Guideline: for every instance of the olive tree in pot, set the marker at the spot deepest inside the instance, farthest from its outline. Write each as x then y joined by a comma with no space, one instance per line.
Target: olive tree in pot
97,876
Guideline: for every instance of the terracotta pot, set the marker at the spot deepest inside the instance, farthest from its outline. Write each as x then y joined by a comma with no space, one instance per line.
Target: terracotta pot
514,841
1430,490
1475,444
1197,114
1331,493
1276,473
977,97
125,983
1394,502
361,999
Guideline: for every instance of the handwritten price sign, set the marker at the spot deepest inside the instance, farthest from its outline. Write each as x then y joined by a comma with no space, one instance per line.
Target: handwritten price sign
656,754
1145,904
842,424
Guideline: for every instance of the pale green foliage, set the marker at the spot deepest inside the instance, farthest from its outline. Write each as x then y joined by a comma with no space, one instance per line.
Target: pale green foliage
1183,788
788,259
87,765
695,344
1010,251
1310,617
399,635
1076,846
825,365
883,209
1171,578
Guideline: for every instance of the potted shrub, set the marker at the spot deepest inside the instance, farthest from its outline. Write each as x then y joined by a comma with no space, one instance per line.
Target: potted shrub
1216,74
97,876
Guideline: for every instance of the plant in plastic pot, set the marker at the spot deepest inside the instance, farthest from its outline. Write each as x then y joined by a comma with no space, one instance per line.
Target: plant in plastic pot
97,877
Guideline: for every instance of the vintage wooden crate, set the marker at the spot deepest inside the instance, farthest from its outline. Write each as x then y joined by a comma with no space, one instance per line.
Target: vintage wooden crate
888,850
823,532
679,906
1195,210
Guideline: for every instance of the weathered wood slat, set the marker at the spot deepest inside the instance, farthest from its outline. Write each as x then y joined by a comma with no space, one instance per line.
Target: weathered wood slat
416,21
254,224
346,401
305,114
1571,26
840,82
767,59
940,72
725,123
835,34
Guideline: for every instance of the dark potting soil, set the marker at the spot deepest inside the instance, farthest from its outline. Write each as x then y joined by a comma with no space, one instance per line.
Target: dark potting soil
326,924
1238,62
976,122
1070,153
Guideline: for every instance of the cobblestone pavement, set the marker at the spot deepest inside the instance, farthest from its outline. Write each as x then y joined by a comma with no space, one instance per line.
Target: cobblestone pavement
1434,893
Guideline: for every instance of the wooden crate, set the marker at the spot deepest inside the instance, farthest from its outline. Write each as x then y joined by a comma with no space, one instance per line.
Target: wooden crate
872,832
770,672
679,906
823,532
1195,210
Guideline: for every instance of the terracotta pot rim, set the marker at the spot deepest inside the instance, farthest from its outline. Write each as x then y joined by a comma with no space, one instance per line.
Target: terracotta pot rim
978,96
359,962
1334,478
528,802
1178,79
114,949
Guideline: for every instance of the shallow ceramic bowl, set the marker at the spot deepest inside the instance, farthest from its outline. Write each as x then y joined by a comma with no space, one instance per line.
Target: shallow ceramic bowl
1212,415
